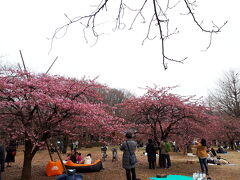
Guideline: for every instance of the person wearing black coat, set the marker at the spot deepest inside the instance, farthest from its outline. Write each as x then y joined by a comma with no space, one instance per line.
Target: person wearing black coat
151,154
11,152
2,159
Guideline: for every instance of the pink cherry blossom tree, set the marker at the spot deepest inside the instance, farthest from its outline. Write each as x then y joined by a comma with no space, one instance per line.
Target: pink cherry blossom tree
160,114
37,107
228,130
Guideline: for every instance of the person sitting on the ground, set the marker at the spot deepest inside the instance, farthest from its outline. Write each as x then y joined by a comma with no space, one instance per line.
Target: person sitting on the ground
73,157
222,161
68,157
217,160
221,150
212,152
88,159
79,158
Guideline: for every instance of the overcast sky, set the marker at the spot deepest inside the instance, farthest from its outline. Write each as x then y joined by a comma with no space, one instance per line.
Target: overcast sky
119,58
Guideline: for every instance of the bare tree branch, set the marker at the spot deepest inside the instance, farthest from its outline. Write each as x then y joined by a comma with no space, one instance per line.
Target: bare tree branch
25,69
159,19
51,65
218,29
139,13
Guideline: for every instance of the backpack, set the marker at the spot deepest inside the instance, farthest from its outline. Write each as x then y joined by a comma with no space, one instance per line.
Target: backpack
167,147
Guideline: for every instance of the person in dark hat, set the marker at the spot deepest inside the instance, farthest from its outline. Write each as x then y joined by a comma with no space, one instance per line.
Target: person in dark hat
151,154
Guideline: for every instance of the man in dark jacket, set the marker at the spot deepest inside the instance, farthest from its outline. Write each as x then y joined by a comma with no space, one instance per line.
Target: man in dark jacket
2,160
151,154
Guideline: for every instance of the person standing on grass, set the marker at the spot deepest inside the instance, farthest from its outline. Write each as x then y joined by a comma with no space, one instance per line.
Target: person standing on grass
129,147
165,149
2,159
202,154
11,153
151,154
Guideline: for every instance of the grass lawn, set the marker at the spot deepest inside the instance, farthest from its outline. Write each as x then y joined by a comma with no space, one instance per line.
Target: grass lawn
114,170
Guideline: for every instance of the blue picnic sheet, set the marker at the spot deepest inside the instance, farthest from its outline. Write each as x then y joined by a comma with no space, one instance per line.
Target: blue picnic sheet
173,177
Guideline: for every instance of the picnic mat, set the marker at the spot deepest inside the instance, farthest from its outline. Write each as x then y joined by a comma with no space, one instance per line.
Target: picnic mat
222,164
173,177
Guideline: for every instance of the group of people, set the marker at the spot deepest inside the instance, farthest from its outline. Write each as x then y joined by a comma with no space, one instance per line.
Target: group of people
129,159
129,146
151,150
76,157
104,153
213,158
208,155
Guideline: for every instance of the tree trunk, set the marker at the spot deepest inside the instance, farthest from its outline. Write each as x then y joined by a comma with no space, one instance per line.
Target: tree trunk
27,164
65,144
160,160
185,149
232,145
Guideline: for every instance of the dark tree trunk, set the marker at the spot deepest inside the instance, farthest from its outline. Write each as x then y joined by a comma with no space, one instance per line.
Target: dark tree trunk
232,145
160,160
65,144
27,163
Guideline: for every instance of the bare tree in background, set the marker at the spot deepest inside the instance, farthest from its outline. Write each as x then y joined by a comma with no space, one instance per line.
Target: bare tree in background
226,97
154,13
225,100
112,97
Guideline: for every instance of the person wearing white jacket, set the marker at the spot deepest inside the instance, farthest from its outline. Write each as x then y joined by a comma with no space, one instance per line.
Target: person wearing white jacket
88,159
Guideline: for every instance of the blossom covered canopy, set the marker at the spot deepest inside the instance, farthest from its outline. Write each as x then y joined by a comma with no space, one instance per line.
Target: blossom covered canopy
36,107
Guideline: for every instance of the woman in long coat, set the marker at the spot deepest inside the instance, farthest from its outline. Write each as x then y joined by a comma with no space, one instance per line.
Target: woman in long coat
151,154
11,152
129,147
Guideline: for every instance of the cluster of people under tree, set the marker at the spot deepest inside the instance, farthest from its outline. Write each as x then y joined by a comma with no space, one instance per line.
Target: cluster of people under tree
151,150
129,159
129,146
76,157
221,150
204,154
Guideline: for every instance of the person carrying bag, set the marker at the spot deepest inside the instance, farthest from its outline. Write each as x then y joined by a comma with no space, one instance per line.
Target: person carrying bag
129,159
132,156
